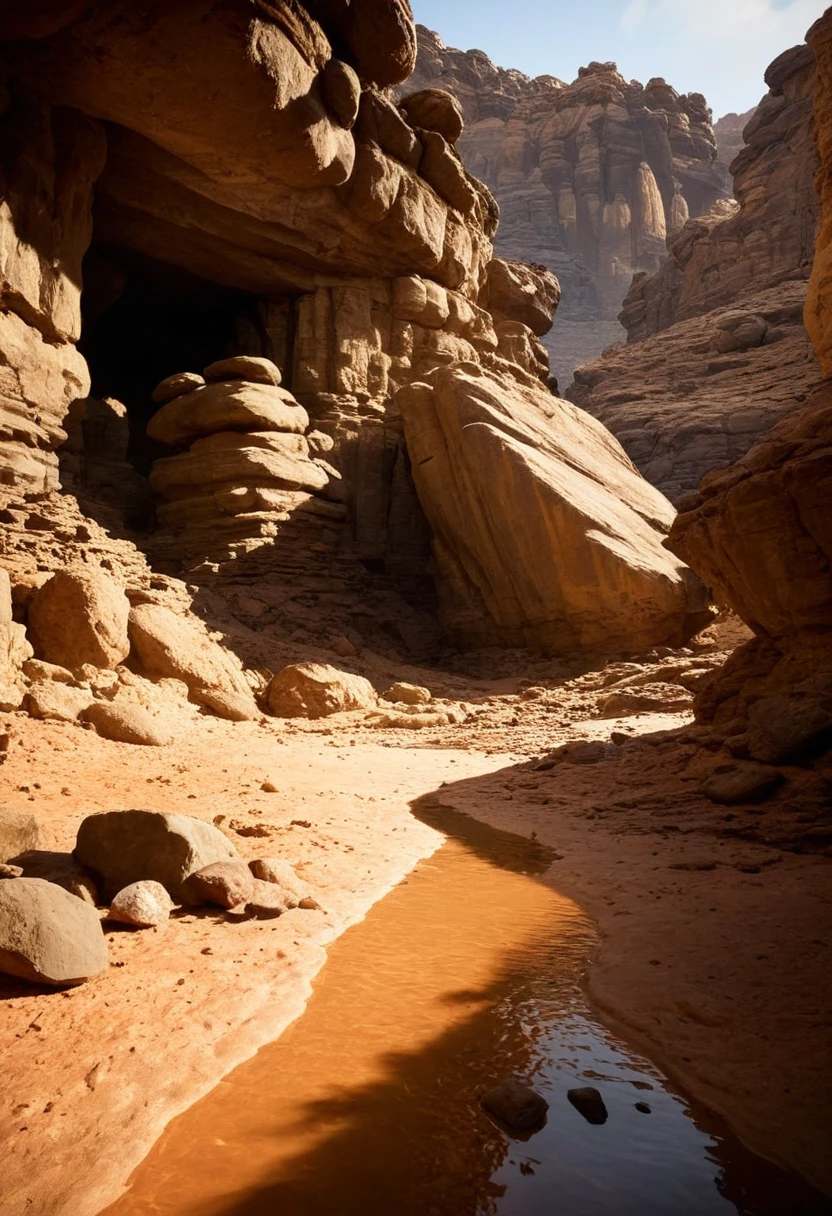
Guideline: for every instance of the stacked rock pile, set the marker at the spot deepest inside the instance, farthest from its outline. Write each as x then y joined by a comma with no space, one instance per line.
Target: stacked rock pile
244,464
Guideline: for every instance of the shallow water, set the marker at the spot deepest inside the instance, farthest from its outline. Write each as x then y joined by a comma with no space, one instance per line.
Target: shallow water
466,974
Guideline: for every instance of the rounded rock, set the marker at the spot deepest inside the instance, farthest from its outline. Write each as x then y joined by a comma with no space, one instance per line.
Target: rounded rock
143,904
516,1105
244,367
176,386
435,110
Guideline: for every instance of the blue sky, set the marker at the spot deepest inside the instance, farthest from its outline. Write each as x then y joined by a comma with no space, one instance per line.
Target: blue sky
717,47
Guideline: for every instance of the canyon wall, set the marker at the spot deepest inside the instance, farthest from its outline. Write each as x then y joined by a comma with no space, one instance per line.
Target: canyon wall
590,177
760,533
220,286
728,131
717,350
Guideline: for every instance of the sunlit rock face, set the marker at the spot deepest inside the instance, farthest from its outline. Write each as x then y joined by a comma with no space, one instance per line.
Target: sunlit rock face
236,273
590,177
718,352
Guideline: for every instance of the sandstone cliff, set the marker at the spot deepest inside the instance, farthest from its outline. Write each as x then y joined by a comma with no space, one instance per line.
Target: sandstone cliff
232,271
717,351
590,177
760,533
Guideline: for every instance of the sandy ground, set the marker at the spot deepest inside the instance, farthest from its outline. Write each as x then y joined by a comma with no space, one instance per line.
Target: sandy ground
715,924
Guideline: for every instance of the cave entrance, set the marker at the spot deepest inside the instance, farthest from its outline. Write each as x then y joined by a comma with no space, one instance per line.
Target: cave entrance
145,320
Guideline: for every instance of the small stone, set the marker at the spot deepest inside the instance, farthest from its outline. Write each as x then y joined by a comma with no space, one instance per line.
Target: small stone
143,904
516,1105
266,900
126,723
742,782
407,694
18,832
282,874
7,871
269,787
588,1102
226,883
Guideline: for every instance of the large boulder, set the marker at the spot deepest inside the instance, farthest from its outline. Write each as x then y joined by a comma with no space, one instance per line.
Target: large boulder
123,847
544,533
80,616
18,832
47,936
167,645
315,690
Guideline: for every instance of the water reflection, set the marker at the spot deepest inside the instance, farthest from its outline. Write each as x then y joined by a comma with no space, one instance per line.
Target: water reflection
465,975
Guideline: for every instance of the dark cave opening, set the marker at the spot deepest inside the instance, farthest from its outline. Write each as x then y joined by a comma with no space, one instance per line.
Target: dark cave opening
143,321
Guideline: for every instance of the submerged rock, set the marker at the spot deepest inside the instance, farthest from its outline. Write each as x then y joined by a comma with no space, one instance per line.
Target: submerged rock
588,1102
517,1105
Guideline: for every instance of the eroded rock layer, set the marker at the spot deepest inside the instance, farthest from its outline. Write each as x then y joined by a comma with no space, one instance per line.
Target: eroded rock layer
591,177
717,350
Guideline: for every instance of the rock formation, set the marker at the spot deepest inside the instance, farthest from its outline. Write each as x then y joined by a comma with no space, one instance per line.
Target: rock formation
717,350
259,283
507,473
729,135
590,177
760,533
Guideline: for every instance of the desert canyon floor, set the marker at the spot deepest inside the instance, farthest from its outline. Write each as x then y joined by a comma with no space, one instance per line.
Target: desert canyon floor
712,926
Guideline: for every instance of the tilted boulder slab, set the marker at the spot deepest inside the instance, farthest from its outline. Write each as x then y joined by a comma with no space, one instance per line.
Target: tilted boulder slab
48,936
123,847
544,533
80,616
165,644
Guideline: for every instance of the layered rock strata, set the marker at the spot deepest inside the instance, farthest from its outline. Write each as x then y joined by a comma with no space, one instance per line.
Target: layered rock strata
760,532
590,177
717,350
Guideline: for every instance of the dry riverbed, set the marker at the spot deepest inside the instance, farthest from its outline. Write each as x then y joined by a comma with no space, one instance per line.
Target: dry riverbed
714,953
